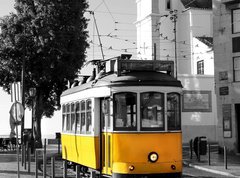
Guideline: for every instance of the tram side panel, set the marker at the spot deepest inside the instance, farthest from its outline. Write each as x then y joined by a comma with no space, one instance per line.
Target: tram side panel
81,148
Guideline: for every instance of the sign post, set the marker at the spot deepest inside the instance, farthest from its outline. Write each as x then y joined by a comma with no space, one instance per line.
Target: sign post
16,115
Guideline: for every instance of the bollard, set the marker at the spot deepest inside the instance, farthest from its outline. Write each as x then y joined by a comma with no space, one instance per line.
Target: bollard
58,146
36,162
198,148
64,169
77,171
53,166
22,154
191,151
225,157
29,159
24,157
209,154
44,160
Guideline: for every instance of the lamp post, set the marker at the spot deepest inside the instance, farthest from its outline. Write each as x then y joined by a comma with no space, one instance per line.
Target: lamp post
32,94
173,18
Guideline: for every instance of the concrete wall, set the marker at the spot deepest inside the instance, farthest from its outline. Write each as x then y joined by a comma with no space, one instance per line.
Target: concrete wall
199,123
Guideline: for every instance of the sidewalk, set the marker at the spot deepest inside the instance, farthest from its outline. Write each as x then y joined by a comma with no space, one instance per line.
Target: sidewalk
217,164
9,165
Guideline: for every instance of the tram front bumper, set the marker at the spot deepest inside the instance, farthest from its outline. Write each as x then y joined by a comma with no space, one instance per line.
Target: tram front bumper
147,168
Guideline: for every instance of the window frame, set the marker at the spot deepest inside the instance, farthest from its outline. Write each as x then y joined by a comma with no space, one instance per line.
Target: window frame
179,113
200,67
233,21
83,120
72,117
77,117
68,118
88,111
64,118
236,69
168,5
131,113
162,111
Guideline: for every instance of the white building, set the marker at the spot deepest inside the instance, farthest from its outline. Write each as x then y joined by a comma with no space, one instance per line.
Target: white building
181,30
226,22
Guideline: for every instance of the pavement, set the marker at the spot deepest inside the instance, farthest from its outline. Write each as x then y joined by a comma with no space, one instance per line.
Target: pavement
9,164
218,164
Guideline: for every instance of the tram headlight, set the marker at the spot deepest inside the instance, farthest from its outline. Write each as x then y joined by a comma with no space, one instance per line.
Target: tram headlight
153,157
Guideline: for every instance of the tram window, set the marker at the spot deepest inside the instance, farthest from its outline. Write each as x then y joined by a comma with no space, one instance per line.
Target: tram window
105,113
68,118
83,117
89,116
173,111
64,118
125,111
73,117
152,111
77,117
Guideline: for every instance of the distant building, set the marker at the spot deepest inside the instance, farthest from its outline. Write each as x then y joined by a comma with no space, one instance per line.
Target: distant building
181,30
226,20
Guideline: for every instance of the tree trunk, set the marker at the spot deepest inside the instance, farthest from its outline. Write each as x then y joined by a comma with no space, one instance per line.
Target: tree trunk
37,117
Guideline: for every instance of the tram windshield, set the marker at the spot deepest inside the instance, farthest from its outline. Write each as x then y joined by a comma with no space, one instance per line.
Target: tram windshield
125,111
157,111
152,112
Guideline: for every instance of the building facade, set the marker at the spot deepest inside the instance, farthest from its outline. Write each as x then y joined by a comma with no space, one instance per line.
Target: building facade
226,20
181,30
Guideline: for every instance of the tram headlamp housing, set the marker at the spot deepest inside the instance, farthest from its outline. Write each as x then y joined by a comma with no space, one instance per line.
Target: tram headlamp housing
153,157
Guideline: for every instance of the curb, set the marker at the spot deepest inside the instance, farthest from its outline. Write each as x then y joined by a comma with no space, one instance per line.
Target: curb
210,170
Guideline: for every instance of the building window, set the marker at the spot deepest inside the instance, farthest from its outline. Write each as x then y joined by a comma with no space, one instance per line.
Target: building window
168,5
236,21
236,69
235,44
200,67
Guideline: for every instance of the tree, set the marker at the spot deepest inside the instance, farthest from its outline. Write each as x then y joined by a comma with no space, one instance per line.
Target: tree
50,38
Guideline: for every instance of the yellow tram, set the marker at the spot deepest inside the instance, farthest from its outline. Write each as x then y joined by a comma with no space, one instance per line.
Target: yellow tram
126,121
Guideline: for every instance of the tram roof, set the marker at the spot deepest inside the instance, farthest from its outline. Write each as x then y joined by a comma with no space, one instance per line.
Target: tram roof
132,78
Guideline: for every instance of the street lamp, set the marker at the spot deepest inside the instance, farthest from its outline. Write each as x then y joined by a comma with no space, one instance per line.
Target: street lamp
32,94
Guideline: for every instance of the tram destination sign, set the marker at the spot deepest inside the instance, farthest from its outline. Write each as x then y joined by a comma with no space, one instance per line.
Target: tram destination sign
145,65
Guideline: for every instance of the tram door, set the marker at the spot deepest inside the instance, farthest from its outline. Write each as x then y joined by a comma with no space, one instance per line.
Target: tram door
106,136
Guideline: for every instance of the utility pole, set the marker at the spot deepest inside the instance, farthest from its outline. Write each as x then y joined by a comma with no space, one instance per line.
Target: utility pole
173,18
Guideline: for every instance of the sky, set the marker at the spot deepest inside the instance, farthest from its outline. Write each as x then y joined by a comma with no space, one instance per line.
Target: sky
117,32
